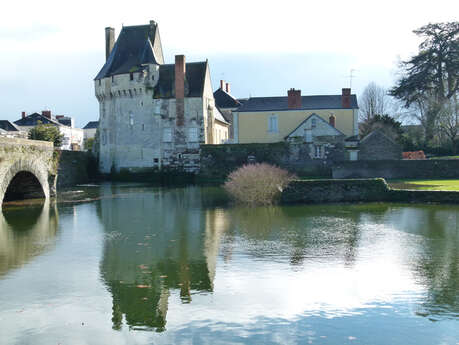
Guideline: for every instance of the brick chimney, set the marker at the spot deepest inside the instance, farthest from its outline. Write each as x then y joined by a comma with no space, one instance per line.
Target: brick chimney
23,114
46,113
294,99
346,98
222,84
180,70
109,41
228,87
332,120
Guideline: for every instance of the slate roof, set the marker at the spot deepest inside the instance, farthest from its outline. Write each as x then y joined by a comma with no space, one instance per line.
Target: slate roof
377,134
92,124
225,100
218,116
195,77
135,46
32,120
67,121
308,103
320,119
8,126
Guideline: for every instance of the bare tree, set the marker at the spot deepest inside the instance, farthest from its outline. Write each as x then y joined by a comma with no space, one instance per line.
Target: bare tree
448,121
373,101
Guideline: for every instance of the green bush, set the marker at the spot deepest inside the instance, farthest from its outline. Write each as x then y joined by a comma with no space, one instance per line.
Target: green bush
257,184
47,133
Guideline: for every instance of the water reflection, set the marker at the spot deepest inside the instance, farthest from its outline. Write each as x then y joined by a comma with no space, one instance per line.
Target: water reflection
156,243
332,260
24,236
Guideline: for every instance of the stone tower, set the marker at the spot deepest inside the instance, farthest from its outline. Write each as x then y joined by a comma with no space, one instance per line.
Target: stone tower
152,114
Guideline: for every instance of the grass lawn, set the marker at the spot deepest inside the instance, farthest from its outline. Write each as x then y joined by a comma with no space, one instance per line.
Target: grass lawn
446,157
425,184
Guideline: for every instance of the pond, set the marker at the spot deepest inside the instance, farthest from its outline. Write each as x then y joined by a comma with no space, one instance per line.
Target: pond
148,265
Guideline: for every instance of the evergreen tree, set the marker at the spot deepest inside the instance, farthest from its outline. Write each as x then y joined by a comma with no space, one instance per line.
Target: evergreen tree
430,78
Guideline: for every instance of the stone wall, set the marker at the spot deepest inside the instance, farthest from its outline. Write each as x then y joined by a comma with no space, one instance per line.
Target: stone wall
377,146
359,190
217,161
319,191
397,169
75,167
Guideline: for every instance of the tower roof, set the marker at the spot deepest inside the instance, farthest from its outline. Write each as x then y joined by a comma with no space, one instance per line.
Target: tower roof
136,45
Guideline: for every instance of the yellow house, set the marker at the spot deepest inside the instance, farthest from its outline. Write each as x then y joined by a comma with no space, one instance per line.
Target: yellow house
271,119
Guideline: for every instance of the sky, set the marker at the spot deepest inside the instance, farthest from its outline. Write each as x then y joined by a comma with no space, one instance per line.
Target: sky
50,51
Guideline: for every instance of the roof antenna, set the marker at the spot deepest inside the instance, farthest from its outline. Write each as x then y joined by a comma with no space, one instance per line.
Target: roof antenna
351,76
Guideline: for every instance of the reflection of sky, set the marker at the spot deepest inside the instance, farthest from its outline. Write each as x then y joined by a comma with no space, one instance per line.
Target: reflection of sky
324,300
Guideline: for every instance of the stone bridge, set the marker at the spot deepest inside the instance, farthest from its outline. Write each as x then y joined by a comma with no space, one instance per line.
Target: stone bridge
28,169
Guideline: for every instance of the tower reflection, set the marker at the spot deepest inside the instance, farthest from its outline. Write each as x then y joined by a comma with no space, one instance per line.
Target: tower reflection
158,245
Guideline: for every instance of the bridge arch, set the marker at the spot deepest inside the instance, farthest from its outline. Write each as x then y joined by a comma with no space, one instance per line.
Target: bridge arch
24,179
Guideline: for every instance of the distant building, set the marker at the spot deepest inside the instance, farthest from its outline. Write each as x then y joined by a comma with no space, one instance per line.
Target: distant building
90,129
152,114
272,119
73,137
8,129
378,146
320,136
226,103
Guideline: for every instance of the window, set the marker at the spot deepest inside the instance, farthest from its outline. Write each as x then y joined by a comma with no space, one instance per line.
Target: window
307,135
104,137
131,76
113,78
167,135
100,81
143,126
317,151
155,160
192,134
131,119
313,123
272,124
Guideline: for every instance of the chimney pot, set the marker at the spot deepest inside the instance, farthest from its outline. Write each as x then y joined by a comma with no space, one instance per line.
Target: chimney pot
23,114
46,113
228,88
332,120
294,99
222,84
346,97
109,41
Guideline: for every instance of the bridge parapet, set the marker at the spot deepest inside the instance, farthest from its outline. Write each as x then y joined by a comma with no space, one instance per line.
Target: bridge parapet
28,168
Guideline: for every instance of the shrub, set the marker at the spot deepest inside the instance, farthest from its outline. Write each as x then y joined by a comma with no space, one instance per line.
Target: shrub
259,183
47,133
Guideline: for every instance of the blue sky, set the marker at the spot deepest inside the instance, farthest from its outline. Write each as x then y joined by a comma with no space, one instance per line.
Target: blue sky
50,53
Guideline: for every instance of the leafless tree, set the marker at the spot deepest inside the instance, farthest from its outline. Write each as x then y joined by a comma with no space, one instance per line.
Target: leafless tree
448,121
373,101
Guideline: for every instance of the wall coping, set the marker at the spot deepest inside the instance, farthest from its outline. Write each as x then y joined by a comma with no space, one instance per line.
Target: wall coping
26,142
